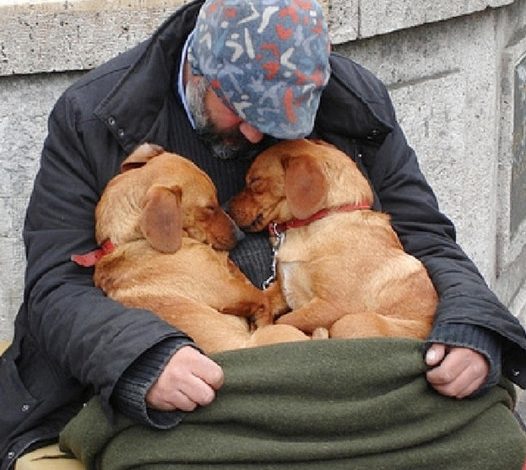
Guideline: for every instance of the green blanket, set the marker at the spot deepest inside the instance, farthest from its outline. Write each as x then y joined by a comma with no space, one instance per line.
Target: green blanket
326,404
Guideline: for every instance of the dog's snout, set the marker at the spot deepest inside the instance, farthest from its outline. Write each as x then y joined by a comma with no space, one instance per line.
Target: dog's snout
238,233
223,231
236,230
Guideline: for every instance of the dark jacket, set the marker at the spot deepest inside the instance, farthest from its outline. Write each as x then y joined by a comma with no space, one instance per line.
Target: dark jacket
71,341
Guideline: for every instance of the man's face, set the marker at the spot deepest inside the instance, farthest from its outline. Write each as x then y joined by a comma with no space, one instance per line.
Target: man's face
227,135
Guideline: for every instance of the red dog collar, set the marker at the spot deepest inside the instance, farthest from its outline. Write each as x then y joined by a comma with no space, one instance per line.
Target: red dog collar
276,229
90,259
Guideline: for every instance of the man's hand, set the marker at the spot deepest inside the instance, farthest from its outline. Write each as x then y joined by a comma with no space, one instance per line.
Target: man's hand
188,380
455,372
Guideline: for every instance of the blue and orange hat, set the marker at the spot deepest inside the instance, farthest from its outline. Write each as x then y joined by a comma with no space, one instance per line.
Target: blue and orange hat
268,60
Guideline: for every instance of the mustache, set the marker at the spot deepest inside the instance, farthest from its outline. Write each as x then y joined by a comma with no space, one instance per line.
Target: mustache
232,145
226,145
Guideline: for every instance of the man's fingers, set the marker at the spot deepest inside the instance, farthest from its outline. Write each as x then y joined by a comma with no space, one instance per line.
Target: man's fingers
197,390
177,401
446,372
209,371
461,387
435,354
185,394
188,380
460,373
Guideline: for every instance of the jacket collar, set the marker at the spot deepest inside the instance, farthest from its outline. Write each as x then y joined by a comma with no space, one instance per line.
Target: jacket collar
131,109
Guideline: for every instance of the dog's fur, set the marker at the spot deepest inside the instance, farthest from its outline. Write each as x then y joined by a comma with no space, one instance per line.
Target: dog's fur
171,237
347,271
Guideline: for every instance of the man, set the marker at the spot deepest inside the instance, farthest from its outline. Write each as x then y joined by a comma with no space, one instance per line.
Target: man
216,92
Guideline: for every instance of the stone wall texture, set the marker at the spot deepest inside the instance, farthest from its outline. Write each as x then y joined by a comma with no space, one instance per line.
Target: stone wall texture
456,72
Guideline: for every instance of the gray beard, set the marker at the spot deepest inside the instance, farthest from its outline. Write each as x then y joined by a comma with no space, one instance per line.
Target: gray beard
224,146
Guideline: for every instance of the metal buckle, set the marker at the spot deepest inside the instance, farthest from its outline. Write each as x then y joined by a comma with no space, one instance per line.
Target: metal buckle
278,238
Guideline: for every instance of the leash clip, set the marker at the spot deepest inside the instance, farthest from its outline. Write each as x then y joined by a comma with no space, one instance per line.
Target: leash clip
278,236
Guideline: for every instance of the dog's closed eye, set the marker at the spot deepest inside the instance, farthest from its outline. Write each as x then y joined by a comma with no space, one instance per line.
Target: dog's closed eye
258,185
204,213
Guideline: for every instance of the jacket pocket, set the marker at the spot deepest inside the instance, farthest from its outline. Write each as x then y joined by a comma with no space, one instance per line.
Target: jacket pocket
16,401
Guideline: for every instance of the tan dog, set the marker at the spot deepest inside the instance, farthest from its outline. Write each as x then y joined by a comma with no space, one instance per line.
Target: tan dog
340,265
165,237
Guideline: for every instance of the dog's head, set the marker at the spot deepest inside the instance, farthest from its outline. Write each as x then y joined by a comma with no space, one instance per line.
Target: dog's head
296,179
162,197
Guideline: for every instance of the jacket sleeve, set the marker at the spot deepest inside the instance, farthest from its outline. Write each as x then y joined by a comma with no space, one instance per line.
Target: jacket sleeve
464,297
89,336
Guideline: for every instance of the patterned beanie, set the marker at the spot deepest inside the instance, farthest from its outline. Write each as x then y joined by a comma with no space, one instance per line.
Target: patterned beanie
268,60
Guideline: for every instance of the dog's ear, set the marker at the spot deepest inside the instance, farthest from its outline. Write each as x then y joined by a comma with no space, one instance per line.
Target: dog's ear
140,156
161,220
305,185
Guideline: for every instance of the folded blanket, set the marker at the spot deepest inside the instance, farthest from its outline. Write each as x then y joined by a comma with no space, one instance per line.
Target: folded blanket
326,404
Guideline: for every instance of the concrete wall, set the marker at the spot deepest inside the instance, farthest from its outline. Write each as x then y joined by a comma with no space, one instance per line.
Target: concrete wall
456,72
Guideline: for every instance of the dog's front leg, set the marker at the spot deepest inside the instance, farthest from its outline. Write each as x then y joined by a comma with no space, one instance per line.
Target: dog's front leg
241,298
278,304
257,313
312,315
246,300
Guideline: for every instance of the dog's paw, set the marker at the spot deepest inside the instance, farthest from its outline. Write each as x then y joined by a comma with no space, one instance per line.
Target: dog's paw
320,333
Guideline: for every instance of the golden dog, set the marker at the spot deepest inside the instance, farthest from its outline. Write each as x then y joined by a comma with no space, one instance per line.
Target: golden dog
164,238
339,264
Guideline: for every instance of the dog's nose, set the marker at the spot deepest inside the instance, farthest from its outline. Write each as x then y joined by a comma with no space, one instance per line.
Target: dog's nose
238,233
